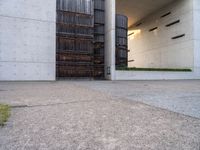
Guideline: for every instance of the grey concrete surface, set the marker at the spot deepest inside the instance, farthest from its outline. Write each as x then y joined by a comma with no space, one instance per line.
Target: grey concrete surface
182,96
77,115
27,40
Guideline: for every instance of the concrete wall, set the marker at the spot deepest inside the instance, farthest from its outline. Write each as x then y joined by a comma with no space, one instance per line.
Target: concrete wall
110,39
27,39
156,49
155,75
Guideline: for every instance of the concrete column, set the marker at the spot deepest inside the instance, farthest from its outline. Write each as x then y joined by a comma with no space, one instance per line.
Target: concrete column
196,22
110,39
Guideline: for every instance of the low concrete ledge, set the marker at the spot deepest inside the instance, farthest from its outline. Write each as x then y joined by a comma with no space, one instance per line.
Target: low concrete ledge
155,75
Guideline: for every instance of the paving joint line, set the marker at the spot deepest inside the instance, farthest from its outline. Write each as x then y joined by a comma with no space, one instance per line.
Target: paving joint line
47,105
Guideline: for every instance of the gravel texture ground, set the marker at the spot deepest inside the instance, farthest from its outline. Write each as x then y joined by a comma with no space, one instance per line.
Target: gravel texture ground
76,115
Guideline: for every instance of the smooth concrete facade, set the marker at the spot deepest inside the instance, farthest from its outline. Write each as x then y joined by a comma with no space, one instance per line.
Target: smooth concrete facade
110,39
27,40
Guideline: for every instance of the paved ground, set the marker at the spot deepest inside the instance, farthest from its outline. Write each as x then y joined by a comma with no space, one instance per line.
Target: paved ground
178,96
88,115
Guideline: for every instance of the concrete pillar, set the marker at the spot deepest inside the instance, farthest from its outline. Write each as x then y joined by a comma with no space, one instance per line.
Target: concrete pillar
110,39
196,22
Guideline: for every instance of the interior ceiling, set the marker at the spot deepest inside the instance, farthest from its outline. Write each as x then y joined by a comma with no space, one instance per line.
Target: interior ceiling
136,10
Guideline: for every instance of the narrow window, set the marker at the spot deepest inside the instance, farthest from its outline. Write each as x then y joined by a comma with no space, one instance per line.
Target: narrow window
178,36
131,34
172,23
167,14
137,25
153,29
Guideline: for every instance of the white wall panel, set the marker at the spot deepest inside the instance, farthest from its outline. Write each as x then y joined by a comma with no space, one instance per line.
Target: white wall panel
155,75
27,39
23,71
43,10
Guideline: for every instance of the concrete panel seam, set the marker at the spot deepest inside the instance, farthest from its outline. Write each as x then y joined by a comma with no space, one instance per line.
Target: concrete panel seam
46,21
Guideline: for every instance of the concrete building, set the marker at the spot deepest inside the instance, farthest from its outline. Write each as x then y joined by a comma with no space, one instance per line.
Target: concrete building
163,34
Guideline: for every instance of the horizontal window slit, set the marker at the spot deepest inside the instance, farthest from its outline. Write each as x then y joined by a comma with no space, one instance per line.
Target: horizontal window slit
167,14
153,29
131,34
137,25
178,36
173,23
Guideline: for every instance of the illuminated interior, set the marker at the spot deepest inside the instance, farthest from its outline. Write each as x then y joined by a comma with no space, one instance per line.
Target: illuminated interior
154,29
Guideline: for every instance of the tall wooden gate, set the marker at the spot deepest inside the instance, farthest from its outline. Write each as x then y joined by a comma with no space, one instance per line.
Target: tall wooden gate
75,34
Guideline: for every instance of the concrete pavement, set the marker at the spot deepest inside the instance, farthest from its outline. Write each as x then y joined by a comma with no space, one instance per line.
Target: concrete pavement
76,115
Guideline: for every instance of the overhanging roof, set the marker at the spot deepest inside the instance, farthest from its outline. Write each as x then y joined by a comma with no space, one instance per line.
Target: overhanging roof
138,9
